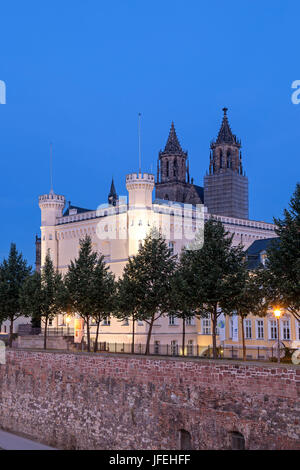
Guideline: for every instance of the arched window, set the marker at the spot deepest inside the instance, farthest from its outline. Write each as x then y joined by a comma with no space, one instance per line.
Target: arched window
175,168
229,160
237,441
221,159
167,168
185,440
167,197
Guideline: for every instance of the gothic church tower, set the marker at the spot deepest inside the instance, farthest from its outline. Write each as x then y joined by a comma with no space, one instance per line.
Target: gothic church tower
226,186
173,178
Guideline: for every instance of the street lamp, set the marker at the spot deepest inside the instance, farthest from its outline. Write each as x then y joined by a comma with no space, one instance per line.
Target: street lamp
277,314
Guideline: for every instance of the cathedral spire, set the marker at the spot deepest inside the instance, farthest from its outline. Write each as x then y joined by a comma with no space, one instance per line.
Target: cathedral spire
173,145
225,134
112,196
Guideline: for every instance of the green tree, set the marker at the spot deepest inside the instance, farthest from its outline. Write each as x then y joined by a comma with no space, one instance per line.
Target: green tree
249,299
181,297
215,271
125,303
149,274
281,277
43,296
103,296
13,273
88,282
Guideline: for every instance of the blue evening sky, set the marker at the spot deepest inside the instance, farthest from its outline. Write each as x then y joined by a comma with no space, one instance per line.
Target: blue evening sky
78,72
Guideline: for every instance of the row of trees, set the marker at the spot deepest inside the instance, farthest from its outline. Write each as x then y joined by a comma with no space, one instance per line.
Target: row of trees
201,282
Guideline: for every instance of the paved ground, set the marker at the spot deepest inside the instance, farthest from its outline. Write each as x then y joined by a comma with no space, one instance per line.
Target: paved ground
10,441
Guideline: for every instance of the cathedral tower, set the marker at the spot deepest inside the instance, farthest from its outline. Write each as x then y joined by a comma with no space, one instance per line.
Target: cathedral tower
173,178
112,196
226,186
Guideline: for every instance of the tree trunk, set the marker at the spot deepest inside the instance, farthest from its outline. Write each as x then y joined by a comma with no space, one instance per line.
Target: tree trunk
88,334
149,335
97,334
183,336
243,339
133,332
214,336
45,333
11,332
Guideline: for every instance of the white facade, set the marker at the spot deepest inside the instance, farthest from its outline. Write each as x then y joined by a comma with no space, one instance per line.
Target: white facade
117,231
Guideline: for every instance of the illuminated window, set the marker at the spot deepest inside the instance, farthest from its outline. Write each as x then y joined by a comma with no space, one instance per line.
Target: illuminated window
286,332
248,329
190,347
259,329
272,329
174,348
206,326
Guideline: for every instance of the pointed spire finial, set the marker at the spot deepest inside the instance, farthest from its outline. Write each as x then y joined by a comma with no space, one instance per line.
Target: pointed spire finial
112,196
173,145
225,133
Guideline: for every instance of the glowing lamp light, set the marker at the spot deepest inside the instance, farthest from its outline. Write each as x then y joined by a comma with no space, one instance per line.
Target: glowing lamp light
277,313
68,319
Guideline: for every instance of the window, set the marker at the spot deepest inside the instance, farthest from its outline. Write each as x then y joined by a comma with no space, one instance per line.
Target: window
190,321
172,320
125,322
106,321
230,328
185,440
237,441
229,161
50,236
50,321
156,347
206,326
190,347
259,329
174,348
248,329
298,329
171,247
273,329
286,333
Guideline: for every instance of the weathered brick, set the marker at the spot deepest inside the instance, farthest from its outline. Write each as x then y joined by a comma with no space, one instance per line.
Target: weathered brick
88,401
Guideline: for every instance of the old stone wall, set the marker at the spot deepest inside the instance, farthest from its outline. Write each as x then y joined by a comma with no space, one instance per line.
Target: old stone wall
81,401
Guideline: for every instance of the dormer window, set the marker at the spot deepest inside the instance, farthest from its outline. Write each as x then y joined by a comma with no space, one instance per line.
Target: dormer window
72,211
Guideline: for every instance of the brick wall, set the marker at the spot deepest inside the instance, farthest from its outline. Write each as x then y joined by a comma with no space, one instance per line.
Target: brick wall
80,401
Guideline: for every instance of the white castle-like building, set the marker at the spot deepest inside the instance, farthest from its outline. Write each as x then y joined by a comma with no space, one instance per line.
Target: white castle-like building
118,227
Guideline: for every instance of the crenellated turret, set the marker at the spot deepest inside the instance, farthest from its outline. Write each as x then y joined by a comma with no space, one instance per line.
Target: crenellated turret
51,206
